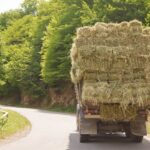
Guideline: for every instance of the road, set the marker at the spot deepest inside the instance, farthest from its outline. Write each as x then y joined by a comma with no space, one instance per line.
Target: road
56,131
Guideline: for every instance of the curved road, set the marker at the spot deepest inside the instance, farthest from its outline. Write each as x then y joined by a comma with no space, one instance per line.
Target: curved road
55,131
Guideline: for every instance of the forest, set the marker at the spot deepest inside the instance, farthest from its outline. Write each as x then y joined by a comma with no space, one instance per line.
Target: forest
35,42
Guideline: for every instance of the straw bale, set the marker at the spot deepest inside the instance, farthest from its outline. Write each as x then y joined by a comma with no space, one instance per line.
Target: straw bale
95,63
101,31
112,29
100,27
135,27
115,112
124,25
99,41
87,50
115,92
145,39
79,42
135,23
84,31
74,53
93,33
113,62
96,76
102,24
146,31
112,41
76,74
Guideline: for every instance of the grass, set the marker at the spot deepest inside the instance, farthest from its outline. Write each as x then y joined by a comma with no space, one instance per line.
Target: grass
1,114
63,109
70,109
15,123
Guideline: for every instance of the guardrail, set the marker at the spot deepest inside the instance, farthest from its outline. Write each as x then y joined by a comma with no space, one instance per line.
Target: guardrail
3,118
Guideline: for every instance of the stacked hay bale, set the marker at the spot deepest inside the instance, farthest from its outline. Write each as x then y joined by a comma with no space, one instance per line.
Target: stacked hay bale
113,61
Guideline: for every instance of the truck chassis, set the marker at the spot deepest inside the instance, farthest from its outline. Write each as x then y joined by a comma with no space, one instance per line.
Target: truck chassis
89,125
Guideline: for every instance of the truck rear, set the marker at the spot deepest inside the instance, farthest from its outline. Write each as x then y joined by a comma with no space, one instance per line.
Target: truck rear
111,74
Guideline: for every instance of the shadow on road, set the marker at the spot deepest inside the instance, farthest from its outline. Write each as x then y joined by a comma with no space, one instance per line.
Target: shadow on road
106,143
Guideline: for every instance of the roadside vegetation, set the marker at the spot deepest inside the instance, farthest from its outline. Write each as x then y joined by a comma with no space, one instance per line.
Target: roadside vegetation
63,109
15,124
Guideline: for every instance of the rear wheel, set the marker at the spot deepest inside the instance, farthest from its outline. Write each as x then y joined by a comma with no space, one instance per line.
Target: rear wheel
137,139
127,131
128,134
133,137
84,138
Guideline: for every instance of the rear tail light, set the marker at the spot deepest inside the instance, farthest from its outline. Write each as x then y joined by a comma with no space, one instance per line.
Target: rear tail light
91,111
143,113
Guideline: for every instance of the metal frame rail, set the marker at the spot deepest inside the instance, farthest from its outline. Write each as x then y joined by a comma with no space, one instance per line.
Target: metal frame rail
3,118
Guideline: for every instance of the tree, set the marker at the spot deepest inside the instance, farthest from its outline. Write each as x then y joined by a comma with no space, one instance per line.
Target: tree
57,44
7,18
29,7
88,15
2,81
22,69
121,10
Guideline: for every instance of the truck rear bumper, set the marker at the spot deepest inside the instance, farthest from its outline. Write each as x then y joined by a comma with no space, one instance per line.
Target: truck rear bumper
95,126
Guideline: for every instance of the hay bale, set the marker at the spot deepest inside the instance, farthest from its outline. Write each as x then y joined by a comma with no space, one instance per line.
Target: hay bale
76,75
146,31
87,50
102,76
113,62
73,53
101,30
112,29
122,93
117,113
135,27
84,32
101,27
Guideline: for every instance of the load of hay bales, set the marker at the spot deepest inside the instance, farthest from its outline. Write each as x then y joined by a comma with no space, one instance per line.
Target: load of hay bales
113,63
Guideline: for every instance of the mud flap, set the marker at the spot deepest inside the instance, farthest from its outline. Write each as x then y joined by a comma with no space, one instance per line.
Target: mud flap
87,126
138,126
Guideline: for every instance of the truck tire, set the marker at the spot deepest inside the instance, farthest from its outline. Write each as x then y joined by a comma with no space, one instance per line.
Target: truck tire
134,138
137,139
127,130
84,138
128,134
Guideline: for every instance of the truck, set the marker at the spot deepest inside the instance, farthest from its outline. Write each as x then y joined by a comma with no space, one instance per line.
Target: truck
89,123
89,115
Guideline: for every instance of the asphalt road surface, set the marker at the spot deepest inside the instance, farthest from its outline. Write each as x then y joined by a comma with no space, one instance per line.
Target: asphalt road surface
56,131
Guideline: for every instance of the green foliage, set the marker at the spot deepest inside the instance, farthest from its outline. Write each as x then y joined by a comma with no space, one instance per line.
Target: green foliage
17,50
7,18
70,109
88,16
122,10
57,44
29,6
148,19
21,48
